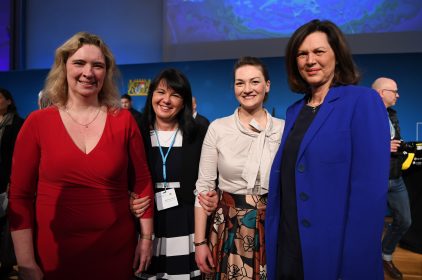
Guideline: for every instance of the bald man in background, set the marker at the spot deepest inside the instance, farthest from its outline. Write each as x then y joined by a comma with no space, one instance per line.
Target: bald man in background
398,199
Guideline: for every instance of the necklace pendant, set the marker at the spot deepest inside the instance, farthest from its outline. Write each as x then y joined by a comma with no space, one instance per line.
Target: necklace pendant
86,125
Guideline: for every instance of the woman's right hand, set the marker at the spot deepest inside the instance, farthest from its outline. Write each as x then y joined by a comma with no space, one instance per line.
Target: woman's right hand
394,145
32,272
28,268
203,259
138,206
209,201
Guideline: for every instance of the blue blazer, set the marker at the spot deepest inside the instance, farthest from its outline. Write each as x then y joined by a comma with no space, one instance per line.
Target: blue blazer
341,185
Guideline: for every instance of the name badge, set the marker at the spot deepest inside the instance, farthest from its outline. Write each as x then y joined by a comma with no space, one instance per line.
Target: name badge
166,199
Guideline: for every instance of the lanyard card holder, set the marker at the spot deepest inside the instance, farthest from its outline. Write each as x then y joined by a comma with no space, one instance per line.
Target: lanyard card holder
166,199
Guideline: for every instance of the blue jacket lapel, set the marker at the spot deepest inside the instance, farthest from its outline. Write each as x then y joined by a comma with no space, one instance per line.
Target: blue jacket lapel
324,112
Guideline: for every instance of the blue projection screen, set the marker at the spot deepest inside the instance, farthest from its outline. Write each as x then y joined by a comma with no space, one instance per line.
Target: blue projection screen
202,27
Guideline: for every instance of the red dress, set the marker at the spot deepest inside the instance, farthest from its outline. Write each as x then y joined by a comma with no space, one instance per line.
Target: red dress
82,225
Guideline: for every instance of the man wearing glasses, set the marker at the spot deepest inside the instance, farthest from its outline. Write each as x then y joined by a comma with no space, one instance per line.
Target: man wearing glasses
398,199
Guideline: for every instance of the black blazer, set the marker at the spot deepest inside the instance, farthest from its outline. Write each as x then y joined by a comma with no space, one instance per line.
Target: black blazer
6,150
191,153
137,116
201,120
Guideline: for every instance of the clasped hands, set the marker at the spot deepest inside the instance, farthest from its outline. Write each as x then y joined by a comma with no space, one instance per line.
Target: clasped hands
208,201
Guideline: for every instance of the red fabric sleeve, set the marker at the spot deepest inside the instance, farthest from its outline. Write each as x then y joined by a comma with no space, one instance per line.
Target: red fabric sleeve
139,174
23,182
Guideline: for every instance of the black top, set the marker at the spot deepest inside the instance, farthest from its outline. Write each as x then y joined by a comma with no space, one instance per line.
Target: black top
201,120
137,116
289,251
6,150
186,159
173,166
397,158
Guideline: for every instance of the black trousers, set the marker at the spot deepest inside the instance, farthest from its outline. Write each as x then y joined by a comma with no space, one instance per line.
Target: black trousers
7,254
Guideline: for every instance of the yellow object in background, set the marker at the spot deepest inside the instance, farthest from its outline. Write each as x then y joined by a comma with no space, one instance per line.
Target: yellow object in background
408,162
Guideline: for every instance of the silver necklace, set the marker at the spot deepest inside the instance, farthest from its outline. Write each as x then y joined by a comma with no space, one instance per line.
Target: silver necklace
313,108
86,125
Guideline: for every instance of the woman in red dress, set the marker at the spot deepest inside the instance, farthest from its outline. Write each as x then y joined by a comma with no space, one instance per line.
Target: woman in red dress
73,165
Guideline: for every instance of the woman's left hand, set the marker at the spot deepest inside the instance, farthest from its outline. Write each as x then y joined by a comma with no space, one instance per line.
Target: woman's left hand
138,205
204,259
208,201
143,255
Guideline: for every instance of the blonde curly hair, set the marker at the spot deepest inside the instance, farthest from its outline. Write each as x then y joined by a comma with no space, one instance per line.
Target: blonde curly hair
56,86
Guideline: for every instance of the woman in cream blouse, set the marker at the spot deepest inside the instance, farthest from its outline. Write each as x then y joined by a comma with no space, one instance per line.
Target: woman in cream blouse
239,148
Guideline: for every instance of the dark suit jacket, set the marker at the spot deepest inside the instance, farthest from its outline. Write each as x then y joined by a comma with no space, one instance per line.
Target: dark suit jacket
341,178
191,152
201,120
137,116
6,150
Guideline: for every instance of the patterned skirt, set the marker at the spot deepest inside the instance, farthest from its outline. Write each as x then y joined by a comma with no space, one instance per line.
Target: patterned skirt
236,237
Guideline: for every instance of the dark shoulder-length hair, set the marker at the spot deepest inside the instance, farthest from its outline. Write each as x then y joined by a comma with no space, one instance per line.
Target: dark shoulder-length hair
8,96
345,72
177,81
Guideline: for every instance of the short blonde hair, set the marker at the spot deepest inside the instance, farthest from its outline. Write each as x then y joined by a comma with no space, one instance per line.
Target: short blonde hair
56,86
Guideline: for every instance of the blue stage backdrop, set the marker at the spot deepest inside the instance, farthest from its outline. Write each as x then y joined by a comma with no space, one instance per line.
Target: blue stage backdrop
150,31
212,85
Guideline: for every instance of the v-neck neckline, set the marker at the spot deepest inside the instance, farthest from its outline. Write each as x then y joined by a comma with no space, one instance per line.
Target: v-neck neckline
73,142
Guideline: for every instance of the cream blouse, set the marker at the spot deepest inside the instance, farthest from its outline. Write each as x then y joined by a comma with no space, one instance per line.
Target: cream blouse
242,158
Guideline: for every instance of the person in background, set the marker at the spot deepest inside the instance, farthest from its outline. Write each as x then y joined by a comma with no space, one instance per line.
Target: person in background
328,183
173,142
397,197
43,101
199,118
10,124
126,102
73,165
239,149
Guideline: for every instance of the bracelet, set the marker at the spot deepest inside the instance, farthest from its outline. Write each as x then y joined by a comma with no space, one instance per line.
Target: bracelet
200,243
148,236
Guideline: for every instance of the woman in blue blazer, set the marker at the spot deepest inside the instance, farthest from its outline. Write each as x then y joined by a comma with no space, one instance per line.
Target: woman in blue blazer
329,179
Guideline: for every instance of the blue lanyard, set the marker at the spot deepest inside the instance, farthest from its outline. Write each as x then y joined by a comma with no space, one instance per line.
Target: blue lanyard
164,157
